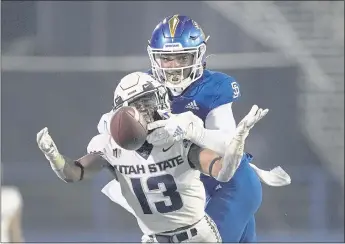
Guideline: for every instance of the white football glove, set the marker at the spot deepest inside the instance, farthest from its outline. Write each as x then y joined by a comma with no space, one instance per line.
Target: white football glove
179,126
248,122
48,147
275,177
235,146
159,137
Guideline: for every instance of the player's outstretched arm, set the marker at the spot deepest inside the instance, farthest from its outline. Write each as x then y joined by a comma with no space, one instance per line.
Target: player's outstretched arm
190,127
224,167
205,160
67,169
210,163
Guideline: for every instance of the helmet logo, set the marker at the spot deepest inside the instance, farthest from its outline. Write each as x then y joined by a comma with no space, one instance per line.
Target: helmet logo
199,28
173,22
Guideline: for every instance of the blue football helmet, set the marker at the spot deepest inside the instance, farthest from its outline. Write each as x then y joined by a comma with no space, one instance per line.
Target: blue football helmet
177,52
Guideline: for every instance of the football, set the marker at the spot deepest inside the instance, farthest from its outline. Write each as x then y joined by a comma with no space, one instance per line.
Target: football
128,128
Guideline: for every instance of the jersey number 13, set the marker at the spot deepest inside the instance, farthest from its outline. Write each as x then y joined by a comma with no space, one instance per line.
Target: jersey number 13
166,185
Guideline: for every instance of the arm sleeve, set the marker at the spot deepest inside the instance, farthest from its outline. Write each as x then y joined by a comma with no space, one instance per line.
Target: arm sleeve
220,127
221,118
222,124
86,166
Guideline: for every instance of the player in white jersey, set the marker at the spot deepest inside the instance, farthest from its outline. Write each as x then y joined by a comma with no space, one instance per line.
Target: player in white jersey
160,182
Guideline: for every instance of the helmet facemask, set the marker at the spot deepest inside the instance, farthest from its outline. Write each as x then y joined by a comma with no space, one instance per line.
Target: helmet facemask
147,106
177,68
147,103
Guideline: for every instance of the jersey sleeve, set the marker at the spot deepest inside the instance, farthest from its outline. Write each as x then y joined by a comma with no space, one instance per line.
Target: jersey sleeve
221,118
104,123
97,143
227,90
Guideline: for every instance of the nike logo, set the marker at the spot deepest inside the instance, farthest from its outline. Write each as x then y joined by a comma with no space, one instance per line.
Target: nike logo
164,150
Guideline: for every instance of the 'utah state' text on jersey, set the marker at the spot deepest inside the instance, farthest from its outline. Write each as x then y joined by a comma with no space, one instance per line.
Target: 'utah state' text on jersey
162,187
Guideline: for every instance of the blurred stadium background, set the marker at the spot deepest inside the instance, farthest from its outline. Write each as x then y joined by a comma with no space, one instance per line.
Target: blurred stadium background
62,60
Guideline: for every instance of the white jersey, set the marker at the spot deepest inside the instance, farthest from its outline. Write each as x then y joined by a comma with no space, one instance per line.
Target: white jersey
161,188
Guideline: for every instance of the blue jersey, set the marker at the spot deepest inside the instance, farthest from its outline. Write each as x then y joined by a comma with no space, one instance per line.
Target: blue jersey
212,90
230,204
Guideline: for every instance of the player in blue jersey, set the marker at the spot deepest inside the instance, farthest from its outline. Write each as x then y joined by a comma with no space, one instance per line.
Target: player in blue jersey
177,53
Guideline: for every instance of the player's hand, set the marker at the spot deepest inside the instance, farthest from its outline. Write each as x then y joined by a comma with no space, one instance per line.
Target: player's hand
243,128
159,137
179,126
248,122
47,145
235,146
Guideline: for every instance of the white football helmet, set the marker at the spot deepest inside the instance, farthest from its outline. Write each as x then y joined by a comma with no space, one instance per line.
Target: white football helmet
143,92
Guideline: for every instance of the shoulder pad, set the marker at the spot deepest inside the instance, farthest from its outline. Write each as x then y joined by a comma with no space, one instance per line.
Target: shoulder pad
104,123
226,90
98,143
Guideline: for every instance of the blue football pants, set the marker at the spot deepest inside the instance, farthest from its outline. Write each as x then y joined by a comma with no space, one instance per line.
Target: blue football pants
232,205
